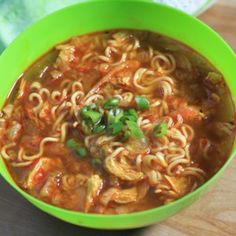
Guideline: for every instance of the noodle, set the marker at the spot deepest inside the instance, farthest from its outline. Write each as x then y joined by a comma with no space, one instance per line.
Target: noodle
4,150
34,96
41,149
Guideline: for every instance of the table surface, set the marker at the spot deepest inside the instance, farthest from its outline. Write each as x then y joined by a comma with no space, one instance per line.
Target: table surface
214,214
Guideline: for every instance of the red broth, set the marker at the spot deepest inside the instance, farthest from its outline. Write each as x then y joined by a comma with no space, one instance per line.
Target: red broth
116,122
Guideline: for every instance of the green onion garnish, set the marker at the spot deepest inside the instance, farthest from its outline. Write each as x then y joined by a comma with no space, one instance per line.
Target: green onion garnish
160,130
115,115
83,110
96,162
98,129
126,136
130,114
94,116
112,103
133,113
115,128
134,129
92,106
71,143
142,102
85,127
81,152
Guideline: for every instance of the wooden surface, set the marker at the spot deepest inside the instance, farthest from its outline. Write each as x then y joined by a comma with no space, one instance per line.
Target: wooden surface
222,18
213,215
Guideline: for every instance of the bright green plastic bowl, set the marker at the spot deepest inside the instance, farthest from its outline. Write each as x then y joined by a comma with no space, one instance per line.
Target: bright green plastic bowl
98,15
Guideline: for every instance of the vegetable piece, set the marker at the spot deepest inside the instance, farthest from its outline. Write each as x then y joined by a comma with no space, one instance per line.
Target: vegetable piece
142,102
71,143
115,128
94,116
85,127
115,115
81,151
131,115
88,113
126,135
94,186
98,129
160,130
96,162
83,110
92,106
134,129
112,103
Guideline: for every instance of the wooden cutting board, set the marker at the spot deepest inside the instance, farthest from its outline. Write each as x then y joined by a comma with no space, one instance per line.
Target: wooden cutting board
213,215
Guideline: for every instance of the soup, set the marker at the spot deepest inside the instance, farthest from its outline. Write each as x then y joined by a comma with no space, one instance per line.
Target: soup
116,122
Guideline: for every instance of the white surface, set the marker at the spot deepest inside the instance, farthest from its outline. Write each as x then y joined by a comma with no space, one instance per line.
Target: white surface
192,7
15,15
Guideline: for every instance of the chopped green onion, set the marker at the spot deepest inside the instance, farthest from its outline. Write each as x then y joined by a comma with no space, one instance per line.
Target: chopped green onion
130,114
98,129
71,143
81,152
85,127
115,115
142,102
94,116
128,117
126,136
96,162
133,113
92,106
115,128
160,130
83,110
88,108
88,112
112,103
134,129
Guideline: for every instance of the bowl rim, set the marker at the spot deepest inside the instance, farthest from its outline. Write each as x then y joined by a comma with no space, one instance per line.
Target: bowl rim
186,197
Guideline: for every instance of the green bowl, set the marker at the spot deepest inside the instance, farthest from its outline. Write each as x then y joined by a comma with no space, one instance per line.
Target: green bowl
97,15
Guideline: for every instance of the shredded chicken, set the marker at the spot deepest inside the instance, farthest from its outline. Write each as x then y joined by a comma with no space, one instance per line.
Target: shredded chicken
179,184
124,196
121,196
122,169
94,185
41,170
14,131
50,187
